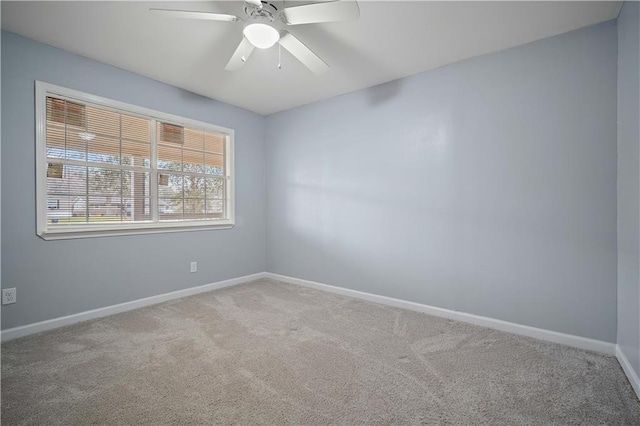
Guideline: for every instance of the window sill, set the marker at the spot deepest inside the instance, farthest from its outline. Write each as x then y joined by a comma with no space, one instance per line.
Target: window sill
92,231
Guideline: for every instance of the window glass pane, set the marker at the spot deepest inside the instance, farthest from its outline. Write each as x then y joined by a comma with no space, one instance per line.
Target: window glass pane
105,194
56,110
75,116
105,182
102,149
169,158
104,209
76,146
102,122
135,183
65,179
214,142
135,128
193,161
66,113
193,139
215,209
62,209
170,134
214,164
66,194
136,154
135,195
214,188
170,209
55,153
194,208
169,186
171,194
136,209
194,186
55,141
65,144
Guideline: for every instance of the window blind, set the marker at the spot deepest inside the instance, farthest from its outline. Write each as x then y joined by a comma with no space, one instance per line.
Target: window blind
106,166
191,182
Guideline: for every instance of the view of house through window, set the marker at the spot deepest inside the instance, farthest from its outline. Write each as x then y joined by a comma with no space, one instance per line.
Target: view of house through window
106,166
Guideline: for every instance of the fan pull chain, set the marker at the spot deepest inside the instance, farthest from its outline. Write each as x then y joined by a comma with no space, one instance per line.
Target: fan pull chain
279,56
243,59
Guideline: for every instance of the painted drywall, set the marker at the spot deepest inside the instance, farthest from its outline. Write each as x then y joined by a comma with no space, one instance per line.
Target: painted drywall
487,186
0,164
57,278
629,183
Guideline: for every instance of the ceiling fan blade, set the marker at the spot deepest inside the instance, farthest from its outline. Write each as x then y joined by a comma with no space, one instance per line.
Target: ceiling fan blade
303,53
196,15
244,49
256,3
339,10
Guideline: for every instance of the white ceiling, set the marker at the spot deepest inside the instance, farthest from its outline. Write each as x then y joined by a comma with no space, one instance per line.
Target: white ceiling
392,39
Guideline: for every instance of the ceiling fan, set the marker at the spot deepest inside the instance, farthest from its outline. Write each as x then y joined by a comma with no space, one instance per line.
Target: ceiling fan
265,25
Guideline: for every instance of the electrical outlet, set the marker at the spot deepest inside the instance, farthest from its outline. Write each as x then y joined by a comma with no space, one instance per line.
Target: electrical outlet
8,296
194,266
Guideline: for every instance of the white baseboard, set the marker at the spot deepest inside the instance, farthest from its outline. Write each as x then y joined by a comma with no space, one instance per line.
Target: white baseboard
628,370
24,330
524,330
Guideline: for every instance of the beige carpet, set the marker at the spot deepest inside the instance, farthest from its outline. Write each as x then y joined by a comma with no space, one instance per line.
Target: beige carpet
273,353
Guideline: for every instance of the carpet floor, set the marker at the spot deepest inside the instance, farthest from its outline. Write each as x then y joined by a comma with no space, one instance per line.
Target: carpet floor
273,353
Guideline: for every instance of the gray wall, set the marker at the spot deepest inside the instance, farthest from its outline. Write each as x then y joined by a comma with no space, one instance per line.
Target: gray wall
487,186
57,278
629,183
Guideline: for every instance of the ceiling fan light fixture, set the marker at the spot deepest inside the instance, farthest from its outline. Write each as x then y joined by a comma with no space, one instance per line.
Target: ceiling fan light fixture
261,35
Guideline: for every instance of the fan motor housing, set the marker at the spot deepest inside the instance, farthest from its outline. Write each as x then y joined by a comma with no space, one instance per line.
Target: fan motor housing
268,10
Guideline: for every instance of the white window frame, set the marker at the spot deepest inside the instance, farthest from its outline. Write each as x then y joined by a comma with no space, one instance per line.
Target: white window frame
122,228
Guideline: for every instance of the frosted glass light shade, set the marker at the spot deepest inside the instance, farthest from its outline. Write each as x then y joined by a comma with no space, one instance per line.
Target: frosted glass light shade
262,36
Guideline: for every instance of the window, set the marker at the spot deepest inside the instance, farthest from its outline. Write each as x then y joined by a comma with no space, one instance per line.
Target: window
108,168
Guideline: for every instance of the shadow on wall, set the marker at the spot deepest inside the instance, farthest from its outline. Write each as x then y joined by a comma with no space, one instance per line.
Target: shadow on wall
199,100
384,92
